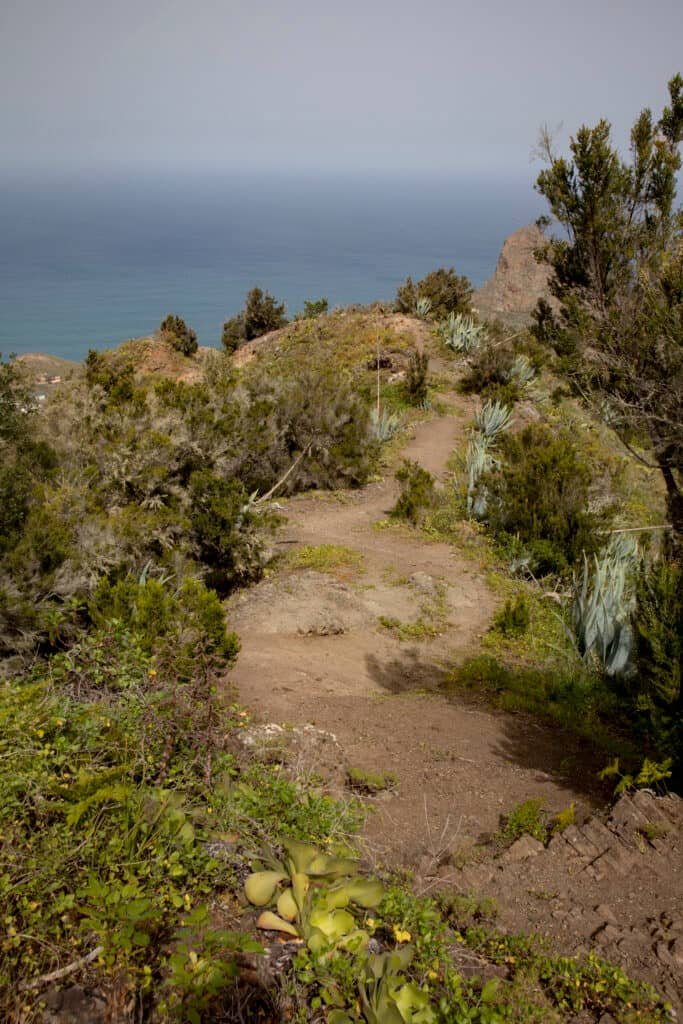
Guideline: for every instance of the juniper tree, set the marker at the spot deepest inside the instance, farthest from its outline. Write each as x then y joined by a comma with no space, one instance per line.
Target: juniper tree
618,282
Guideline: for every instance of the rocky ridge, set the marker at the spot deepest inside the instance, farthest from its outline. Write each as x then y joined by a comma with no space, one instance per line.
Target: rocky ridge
518,281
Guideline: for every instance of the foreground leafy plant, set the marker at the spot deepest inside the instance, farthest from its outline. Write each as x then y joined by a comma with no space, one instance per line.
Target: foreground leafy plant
315,904
107,772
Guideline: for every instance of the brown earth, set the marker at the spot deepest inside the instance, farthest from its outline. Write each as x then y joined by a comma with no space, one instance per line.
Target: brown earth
322,675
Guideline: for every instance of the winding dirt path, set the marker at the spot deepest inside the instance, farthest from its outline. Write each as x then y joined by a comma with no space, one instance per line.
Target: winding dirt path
314,652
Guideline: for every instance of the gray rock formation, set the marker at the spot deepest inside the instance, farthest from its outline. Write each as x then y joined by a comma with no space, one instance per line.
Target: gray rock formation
518,280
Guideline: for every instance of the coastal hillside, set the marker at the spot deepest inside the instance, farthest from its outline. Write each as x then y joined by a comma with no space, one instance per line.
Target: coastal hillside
332,685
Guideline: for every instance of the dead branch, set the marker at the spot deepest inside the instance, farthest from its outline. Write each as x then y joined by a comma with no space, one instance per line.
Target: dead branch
63,972
276,486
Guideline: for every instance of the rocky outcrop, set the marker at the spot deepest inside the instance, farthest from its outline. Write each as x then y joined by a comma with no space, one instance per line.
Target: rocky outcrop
518,281
613,883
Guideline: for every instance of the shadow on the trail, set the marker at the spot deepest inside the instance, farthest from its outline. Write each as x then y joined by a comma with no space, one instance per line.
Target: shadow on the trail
405,673
523,742
549,750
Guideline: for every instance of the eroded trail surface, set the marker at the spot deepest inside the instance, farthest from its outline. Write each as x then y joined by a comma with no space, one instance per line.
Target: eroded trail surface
314,651
327,682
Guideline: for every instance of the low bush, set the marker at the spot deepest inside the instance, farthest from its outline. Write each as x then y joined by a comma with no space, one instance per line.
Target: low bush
416,378
514,617
316,411
447,292
656,688
262,313
175,331
539,494
526,819
489,374
317,307
221,517
502,366
109,759
418,493
153,609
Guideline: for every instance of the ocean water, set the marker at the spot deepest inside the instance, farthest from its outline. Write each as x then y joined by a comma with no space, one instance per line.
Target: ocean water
87,263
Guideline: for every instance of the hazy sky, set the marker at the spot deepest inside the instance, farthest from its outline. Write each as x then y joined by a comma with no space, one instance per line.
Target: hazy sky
353,86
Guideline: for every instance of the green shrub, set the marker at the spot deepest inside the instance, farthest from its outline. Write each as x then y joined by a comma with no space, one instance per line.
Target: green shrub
313,409
152,609
447,292
313,309
513,619
108,799
116,381
261,314
176,332
15,493
370,782
222,522
416,378
47,540
658,639
539,493
234,334
25,458
527,819
417,492
490,374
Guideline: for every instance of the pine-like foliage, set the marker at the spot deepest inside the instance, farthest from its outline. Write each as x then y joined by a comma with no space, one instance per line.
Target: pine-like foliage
658,629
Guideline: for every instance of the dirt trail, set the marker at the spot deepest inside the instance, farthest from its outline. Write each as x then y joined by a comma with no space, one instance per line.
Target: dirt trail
316,661
313,652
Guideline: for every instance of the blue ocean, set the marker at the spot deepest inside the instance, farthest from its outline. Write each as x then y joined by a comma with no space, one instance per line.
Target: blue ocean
89,262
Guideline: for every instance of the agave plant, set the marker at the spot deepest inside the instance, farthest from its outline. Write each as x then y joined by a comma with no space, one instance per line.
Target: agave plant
492,419
521,371
603,604
423,308
461,334
314,904
384,424
478,461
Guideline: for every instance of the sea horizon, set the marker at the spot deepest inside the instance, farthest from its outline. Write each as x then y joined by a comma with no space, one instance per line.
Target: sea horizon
90,261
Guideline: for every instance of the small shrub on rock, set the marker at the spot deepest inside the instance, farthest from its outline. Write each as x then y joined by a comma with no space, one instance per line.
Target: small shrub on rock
179,336
527,819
